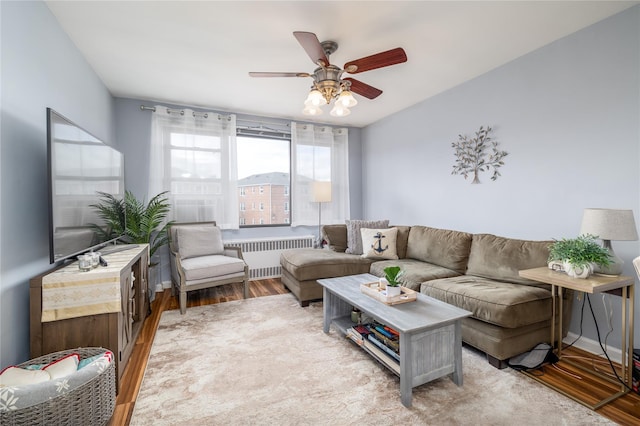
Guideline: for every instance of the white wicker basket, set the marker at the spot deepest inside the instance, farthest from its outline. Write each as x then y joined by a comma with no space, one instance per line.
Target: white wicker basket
91,403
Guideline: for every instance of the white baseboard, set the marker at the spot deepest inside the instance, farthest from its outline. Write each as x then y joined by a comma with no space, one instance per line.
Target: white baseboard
592,346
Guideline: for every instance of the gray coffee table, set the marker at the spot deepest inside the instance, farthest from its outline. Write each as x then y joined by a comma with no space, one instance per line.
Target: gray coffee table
430,331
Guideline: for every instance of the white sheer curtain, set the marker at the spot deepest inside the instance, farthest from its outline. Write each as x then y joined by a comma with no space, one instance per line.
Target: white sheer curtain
193,156
319,154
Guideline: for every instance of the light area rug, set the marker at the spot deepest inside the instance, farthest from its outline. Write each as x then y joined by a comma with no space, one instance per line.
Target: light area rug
266,361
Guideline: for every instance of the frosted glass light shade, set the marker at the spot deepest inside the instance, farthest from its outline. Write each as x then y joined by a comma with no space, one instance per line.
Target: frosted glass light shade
339,110
346,99
314,98
312,110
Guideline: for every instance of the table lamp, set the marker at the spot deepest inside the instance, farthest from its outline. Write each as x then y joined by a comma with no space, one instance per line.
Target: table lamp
320,193
608,225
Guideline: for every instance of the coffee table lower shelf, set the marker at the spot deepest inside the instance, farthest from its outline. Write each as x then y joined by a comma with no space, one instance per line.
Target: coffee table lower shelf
343,324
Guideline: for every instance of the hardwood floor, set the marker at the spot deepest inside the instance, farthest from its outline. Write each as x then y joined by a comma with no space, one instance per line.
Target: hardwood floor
570,380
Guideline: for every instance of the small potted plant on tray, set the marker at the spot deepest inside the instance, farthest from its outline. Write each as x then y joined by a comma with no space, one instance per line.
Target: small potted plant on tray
579,256
391,275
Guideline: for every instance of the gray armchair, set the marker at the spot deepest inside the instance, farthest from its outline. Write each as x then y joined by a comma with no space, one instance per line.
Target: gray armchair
200,260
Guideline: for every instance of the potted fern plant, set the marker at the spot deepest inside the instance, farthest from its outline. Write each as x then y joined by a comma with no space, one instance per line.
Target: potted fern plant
140,223
579,256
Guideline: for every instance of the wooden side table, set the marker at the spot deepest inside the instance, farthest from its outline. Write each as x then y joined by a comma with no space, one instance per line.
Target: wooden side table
619,285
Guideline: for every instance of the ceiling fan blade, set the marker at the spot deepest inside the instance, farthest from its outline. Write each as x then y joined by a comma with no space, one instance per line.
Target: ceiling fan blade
363,89
379,60
311,45
279,74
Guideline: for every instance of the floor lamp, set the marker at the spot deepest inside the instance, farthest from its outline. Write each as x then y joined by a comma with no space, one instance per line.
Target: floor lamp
608,225
320,193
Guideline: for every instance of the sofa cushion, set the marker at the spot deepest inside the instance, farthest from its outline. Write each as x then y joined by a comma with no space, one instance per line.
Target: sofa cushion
194,241
335,236
496,302
354,239
401,240
379,244
197,268
442,247
501,258
415,272
311,264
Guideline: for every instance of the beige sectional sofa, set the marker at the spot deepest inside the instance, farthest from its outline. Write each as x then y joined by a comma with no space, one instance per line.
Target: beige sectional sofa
476,272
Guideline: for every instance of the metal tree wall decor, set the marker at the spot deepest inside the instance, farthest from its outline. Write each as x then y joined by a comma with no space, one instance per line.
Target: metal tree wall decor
472,155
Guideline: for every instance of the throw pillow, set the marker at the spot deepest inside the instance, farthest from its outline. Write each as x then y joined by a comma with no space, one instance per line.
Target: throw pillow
335,236
354,238
379,243
195,241
16,376
63,366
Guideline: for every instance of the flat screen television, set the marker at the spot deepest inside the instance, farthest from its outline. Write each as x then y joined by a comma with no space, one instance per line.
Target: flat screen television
80,166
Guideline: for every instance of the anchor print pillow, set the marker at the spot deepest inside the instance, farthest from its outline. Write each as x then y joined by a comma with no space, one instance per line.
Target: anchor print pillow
379,243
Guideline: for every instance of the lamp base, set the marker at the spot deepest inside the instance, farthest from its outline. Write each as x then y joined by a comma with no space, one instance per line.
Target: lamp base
616,265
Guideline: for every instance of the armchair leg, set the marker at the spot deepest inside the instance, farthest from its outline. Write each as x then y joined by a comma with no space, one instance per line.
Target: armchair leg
183,302
246,289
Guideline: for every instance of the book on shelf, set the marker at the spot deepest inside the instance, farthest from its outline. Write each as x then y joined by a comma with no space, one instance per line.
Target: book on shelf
389,342
355,336
382,356
390,352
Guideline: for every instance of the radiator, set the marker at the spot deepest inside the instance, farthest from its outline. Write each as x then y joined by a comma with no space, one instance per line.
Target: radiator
263,254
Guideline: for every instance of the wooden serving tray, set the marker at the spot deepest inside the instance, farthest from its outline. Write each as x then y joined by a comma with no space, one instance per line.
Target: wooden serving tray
373,290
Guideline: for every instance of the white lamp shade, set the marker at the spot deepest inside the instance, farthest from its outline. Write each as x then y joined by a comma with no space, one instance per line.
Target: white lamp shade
346,99
315,98
339,110
609,224
321,192
312,110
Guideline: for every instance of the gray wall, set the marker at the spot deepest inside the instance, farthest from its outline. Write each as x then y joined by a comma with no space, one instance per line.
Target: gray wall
567,114
40,68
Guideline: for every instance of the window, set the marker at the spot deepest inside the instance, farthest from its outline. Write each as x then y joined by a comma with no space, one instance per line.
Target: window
242,191
190,158
242,207
264,166
286,206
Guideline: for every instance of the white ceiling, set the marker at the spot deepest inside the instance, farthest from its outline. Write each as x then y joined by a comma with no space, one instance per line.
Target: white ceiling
199,53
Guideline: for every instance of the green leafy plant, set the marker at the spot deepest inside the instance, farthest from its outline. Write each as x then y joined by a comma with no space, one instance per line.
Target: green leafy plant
392,275
139,223
579,251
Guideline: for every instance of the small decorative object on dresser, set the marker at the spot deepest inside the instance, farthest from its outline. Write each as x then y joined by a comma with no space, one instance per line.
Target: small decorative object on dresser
578,255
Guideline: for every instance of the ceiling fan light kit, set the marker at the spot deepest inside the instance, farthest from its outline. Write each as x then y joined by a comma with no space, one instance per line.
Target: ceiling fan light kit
328,83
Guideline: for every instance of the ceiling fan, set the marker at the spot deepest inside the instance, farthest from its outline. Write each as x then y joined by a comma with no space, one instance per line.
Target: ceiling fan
328,83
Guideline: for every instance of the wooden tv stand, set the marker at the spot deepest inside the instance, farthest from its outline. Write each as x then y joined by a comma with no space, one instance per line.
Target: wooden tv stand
112,319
